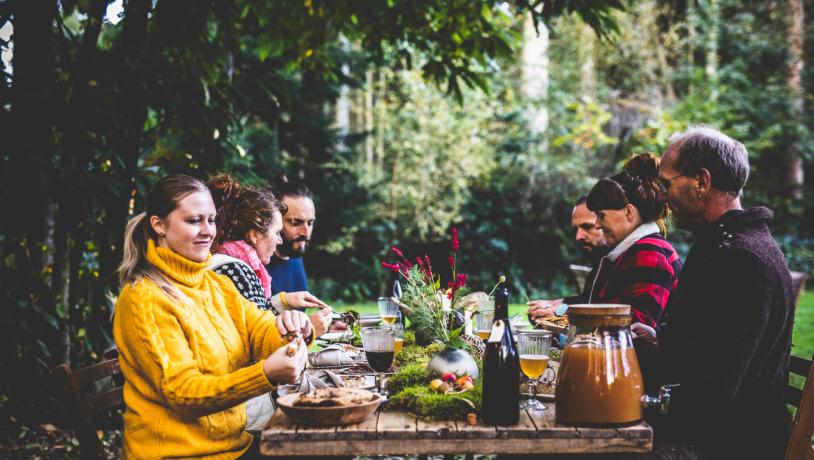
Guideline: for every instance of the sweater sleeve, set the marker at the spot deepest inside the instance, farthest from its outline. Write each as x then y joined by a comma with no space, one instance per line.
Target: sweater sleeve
246,282
155,344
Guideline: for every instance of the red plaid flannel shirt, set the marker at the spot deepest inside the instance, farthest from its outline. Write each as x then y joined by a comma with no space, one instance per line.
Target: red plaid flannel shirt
642,277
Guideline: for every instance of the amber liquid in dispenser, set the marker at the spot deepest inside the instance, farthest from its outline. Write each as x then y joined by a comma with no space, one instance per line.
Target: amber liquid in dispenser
599,386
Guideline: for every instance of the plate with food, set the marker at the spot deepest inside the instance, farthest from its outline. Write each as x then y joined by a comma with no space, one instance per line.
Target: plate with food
335,336
554,324
330,406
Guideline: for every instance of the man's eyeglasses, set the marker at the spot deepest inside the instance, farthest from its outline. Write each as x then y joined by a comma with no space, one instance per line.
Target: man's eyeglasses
665,183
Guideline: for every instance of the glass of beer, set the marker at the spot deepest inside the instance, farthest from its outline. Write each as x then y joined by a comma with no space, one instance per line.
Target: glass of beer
399,339
533,349
483,323
388,310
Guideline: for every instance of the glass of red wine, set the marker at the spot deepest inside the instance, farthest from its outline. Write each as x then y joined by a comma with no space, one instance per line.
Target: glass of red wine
379,344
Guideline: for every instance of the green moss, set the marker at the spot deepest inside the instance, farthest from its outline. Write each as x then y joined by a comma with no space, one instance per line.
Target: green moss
413,354
408,376
429,405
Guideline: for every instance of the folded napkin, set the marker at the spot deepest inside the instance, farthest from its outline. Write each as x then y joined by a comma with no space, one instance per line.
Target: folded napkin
319,379
333,355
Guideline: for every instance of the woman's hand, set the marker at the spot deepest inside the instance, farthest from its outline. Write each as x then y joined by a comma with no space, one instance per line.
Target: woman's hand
293,321
321,320
644,332
279,367
303,299
542,309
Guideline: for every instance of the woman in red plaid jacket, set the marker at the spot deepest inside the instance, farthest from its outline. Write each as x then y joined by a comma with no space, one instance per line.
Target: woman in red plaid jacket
642,270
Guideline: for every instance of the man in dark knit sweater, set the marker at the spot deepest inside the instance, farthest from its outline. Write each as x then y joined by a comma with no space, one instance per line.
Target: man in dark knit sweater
727,333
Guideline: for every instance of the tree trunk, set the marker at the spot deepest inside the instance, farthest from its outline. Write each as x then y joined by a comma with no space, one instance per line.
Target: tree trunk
61,287
794,172
711,58
133,110
534,86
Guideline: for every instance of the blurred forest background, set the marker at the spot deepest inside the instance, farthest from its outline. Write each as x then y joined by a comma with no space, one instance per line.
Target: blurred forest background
405,118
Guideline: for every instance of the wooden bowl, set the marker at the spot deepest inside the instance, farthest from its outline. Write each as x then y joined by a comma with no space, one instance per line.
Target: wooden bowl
327,416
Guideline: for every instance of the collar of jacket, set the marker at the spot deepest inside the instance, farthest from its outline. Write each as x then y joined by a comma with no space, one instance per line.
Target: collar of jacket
734,220
641,231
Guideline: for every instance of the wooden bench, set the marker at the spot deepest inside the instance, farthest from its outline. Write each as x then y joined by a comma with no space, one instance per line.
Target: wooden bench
803,429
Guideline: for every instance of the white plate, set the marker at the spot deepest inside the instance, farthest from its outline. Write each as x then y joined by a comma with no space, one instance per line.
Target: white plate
332,335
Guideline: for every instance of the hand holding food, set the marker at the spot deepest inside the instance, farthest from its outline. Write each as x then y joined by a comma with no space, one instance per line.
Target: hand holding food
285,365
321,320
292,321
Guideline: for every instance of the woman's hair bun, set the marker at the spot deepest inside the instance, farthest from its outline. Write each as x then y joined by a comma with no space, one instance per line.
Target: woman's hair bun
644,166
224,189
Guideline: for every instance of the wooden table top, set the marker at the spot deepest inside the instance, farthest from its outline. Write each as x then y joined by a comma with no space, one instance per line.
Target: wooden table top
396,433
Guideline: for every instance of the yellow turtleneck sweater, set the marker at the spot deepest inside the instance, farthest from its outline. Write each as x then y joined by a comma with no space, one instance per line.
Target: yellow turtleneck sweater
186,365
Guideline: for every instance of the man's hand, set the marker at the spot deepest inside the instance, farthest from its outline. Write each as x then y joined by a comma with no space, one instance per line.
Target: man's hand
303,299
279,367
542,309
293,321
338,326
321,320
645,333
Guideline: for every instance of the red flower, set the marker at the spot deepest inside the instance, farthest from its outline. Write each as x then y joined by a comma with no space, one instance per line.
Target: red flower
455,243
400,254
392,267
451,262
429,264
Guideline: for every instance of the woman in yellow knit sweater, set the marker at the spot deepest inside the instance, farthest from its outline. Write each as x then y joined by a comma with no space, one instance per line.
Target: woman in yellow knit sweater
186,336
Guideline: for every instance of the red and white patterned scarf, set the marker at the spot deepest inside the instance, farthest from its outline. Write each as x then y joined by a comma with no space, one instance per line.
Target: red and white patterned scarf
242,250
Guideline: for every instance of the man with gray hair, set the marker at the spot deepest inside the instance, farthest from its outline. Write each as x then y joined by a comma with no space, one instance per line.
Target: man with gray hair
726,335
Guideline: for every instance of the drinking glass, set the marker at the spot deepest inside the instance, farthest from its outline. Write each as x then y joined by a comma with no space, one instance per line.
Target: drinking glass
483,323
379,345
399,339
533,349
388,310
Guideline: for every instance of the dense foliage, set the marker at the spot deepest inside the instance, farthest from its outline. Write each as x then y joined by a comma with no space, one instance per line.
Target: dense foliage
405,118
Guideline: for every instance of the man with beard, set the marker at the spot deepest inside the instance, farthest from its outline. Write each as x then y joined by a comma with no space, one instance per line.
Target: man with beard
286,267
727,336
591,242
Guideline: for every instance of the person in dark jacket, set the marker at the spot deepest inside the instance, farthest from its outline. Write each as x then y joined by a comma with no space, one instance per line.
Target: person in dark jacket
592,242
727,334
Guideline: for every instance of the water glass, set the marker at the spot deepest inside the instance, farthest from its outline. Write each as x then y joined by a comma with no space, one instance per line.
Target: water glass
388,310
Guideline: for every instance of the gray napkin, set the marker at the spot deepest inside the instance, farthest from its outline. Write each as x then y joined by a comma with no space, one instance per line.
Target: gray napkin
333,355
319,379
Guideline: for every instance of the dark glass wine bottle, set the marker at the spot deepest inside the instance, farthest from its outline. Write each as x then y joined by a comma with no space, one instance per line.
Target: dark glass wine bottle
396,287
501,368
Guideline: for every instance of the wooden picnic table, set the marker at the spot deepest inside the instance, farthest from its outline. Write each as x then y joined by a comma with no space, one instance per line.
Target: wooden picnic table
396,433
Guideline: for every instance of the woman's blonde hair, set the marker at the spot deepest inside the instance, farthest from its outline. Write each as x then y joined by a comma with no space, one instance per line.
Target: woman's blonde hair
161,200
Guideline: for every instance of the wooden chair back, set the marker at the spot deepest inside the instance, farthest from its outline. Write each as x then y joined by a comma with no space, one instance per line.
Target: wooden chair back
580,273
800,447
84,403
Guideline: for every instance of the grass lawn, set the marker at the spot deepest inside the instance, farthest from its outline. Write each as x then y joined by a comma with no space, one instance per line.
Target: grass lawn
803,338
802,341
